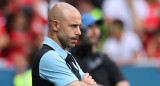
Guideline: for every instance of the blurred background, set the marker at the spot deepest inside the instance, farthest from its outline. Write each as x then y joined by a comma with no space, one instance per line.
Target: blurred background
130,36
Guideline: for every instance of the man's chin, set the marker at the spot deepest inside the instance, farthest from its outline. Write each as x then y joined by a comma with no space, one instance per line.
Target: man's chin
72,45
94,42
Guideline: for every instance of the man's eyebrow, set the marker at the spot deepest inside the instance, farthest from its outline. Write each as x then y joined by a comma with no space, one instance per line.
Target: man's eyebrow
75,24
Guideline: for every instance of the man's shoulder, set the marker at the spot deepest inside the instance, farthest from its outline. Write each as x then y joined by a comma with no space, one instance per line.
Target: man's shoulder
110,41
51,59
51,55
101,55
105,58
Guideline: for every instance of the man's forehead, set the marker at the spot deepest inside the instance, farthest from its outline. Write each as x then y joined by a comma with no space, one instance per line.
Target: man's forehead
73,18
75,22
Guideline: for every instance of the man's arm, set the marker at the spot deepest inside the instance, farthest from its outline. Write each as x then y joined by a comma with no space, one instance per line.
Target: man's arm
123,83
86,81
114,72
78,83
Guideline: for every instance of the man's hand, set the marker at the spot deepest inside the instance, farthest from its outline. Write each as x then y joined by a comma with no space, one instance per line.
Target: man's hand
123,83
88,79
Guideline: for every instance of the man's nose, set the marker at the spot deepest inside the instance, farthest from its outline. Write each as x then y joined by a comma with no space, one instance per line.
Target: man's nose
78,32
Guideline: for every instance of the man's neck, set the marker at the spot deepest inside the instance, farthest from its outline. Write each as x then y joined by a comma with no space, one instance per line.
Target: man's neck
94,49
53,37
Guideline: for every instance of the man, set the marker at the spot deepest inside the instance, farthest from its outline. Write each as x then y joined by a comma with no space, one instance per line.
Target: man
53,65
101,68
124,47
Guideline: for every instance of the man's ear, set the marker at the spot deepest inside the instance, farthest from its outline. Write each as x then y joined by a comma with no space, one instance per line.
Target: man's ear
55,25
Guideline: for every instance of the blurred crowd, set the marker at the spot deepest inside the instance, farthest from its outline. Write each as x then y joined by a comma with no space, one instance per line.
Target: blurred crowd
22,28
130,29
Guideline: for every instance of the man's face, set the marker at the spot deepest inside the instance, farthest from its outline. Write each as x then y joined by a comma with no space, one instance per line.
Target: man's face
69,30
115,31
93,34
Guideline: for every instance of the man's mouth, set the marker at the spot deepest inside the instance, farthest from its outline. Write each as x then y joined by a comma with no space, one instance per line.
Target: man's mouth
75,38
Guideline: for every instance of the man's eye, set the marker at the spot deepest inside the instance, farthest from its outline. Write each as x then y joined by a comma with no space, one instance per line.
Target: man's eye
74,25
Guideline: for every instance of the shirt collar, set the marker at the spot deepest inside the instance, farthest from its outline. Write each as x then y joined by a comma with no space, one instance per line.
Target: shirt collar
48,41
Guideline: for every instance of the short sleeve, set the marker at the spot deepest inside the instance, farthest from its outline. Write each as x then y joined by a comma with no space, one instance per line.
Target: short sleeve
54,69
